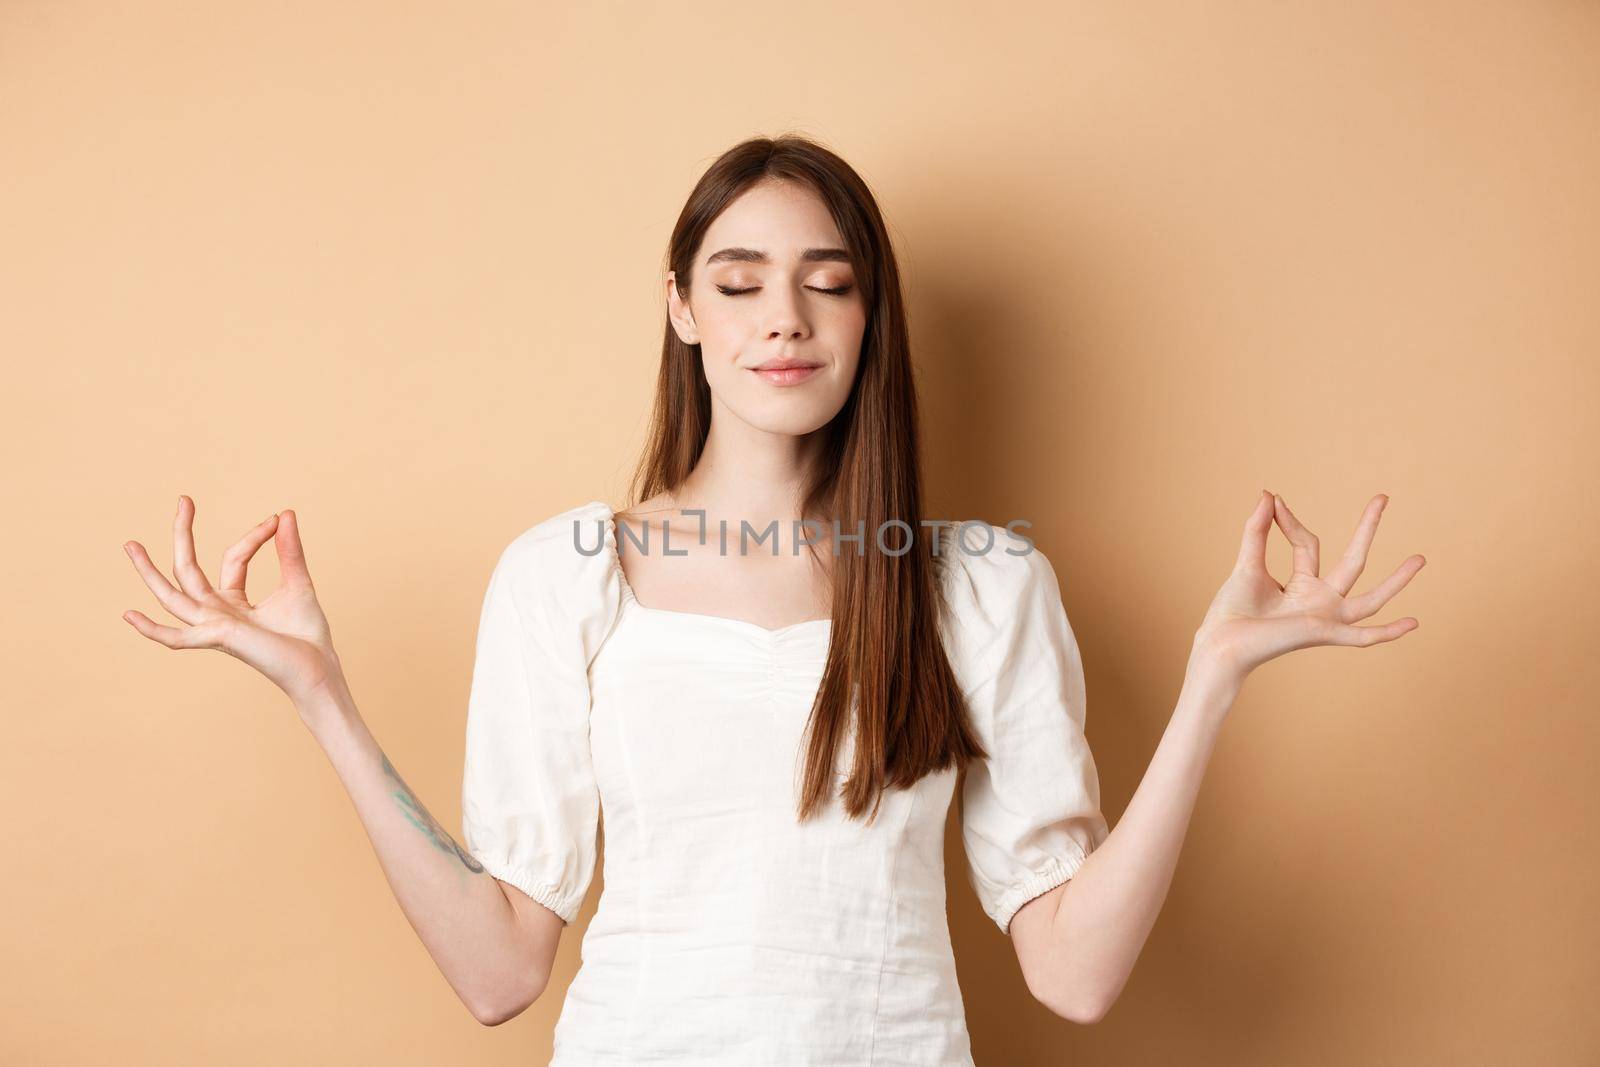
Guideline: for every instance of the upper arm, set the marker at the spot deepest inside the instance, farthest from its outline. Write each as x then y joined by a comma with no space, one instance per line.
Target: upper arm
530,804
1030,931
1031,810
540,930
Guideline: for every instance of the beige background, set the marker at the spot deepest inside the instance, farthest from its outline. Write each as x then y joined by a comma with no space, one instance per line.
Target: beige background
396,266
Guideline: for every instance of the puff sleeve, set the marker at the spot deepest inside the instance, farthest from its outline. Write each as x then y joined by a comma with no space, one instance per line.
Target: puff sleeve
1030,813
530,806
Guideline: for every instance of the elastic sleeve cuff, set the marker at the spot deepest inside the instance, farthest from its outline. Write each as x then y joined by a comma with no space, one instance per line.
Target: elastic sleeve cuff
1034,885
537,889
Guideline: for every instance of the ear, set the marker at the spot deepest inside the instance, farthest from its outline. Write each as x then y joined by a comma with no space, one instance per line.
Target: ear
678,312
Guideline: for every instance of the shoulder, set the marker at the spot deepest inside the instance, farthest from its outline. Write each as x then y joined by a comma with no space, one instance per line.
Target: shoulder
998,587
562,571
579,532
989,570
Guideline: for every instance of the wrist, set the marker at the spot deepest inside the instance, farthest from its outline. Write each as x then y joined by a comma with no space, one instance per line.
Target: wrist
326,703
1215,657
1213,678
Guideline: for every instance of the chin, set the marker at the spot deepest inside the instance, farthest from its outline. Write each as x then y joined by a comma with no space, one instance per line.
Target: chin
795,418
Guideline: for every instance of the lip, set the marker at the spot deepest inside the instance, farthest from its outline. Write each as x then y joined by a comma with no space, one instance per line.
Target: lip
786,371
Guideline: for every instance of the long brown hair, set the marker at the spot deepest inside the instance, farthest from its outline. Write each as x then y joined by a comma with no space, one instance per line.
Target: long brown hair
886,658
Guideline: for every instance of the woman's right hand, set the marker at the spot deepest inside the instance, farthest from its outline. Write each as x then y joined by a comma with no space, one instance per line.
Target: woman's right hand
285,636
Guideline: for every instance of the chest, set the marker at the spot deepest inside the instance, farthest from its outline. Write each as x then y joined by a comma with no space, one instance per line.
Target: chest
699,723
727,576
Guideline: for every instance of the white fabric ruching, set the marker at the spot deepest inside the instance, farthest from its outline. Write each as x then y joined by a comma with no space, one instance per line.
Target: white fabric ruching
727,932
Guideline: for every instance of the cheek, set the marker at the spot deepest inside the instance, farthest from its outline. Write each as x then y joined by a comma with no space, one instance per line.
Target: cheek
845,332
723,330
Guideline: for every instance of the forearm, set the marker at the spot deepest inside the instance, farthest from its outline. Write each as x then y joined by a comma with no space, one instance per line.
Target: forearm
1107,910
460,911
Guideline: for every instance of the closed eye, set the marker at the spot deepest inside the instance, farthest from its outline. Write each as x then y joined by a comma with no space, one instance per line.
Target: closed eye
838,290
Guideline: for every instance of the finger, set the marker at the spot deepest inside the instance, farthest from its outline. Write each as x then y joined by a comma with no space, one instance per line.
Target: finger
1304,541
1354,561
291,553
1253,545
171,636
172,599
188,572
236,561
1362,636
1368,603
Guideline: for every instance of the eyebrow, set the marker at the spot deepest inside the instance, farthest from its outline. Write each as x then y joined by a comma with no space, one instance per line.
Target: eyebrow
756,255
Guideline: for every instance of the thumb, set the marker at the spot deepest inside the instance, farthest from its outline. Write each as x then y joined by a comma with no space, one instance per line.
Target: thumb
291,553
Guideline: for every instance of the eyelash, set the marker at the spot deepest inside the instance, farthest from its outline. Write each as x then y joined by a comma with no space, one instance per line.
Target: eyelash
840,290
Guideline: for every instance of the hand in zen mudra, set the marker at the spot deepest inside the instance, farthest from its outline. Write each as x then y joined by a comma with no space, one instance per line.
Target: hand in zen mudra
1254,619
285,636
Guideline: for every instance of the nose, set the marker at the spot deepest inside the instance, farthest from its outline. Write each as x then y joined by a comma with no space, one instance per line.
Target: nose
786,315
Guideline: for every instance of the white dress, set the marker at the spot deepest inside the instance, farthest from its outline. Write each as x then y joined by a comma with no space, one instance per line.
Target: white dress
728,933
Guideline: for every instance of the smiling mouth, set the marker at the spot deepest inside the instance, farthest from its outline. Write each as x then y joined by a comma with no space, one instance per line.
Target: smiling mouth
792,374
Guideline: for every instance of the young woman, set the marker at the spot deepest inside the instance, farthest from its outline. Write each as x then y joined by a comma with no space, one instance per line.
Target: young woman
775,728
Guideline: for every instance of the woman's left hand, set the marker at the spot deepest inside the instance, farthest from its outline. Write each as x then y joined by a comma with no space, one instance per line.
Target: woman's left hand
1254,619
